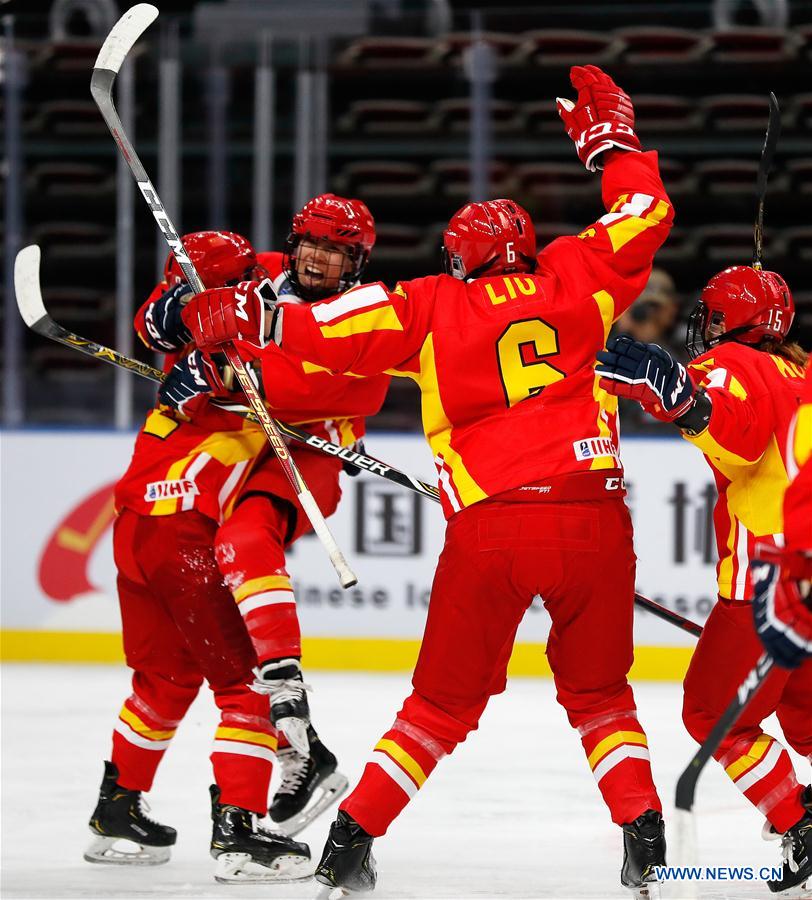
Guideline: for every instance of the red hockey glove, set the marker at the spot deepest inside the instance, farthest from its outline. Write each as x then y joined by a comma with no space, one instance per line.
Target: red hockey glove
239,313
190,383
648,374
601,118
782,604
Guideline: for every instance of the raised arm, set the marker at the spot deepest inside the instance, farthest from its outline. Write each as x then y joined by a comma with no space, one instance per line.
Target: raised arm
615,253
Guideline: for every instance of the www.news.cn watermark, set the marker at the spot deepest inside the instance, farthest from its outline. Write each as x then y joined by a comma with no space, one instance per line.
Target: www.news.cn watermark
718,873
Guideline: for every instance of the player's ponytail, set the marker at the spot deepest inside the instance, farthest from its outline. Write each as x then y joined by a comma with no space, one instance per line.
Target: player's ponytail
790,350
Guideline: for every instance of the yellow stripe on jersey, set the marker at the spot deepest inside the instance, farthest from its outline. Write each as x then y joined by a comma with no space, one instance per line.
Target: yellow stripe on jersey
383,319
802,446
606,308
626,230
158,425
140,727
437,426
403,759
224,733
346,432
757,750
708,444
612,741
756,494
725,577
310,368
264,583
175,472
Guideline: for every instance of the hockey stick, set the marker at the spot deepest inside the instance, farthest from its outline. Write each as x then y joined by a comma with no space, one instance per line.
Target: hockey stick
36,317
118,44
686,785
765,164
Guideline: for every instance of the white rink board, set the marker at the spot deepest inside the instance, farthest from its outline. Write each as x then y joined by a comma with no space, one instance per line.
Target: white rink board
391,537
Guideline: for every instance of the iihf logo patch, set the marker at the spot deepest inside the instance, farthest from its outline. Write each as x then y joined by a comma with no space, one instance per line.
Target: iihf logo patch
170,490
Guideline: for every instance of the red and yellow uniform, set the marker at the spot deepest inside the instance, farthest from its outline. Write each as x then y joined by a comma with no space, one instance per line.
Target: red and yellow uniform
798,498
525,445
755,397
180,621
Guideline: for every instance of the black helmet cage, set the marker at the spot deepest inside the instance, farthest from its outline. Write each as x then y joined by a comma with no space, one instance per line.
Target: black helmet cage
356,254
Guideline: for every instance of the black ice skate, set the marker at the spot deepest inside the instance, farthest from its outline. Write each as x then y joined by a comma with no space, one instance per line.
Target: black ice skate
643,849
282,680
347,865
246,852
120,823
796,847
310,784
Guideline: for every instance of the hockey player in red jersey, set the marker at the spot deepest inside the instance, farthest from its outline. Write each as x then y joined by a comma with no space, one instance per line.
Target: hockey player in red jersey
525,444
736,402
180,621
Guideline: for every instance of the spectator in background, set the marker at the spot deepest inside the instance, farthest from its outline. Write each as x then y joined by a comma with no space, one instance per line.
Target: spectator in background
652,318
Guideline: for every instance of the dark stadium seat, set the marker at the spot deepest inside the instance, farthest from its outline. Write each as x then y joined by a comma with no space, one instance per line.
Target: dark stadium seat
565,47
798,244
66,119
754,45
736,112
69,179
680,246
75,240
79,304
659,112
678,178
799,114
451,49
660,44
730,176
374,178
799,172
546,232
390,52
385,117
454,115
453,178
554,179
401,242
541,117
729,243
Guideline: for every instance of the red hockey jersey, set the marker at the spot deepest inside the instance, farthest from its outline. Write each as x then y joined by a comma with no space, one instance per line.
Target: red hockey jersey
798,498
179,464
505,364
755,397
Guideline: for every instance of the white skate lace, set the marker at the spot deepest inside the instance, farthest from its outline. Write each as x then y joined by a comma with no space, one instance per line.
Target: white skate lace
294,771
281,690
144,808
787,846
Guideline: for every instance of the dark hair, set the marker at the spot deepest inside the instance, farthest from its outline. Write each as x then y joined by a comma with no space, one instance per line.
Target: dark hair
790,350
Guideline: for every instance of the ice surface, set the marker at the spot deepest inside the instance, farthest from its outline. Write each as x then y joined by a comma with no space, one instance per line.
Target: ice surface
513,813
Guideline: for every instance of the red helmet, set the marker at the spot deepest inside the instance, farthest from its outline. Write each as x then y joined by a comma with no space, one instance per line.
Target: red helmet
742,304
220,257
488,239
333,220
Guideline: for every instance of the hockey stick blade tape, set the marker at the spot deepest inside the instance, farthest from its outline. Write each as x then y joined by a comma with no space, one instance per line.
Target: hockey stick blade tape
124,34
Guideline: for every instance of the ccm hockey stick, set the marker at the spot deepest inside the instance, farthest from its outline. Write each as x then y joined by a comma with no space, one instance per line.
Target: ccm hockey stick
764,166
118,44
686,785
36,317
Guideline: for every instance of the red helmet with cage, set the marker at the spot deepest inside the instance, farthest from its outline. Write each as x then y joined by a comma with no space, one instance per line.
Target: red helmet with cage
220,257
488,239
336,223
740,304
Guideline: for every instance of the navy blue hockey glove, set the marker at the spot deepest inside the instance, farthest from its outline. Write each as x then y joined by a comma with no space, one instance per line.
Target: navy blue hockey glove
648,374
782,615
165,326
190,383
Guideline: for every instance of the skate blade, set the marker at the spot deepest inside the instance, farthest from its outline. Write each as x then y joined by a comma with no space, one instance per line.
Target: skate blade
112,851
240,868
650,891
332,789
333,893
